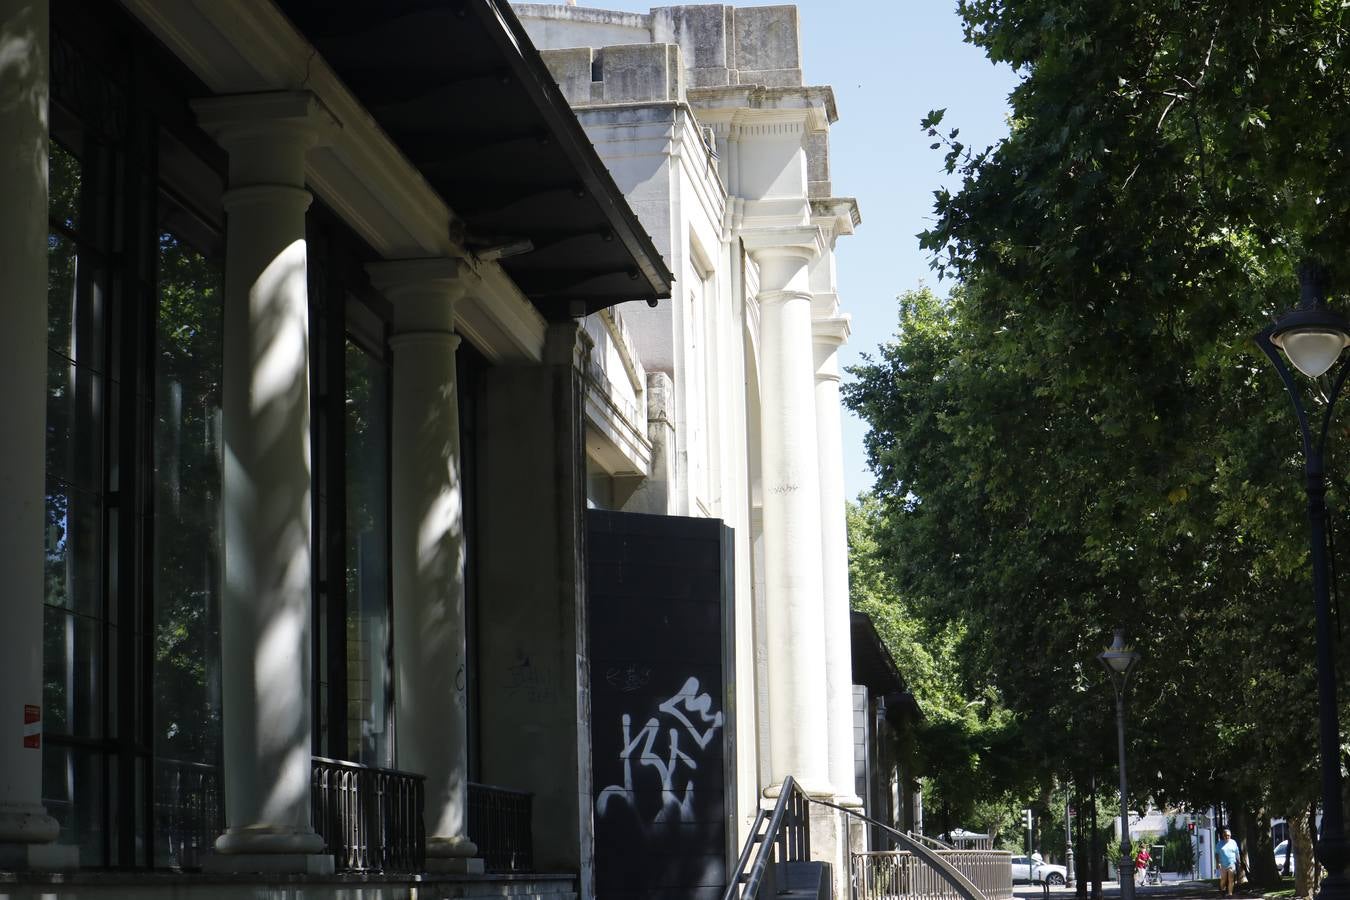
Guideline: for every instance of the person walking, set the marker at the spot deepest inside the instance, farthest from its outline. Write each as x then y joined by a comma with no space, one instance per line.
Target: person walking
1226,858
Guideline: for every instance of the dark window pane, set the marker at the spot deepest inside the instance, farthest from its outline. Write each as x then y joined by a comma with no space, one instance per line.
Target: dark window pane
71,663
63,186
74,424
367,467
72,792
62,262
74,549
187,453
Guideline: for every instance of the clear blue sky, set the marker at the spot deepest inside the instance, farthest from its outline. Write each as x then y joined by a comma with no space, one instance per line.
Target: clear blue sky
890,62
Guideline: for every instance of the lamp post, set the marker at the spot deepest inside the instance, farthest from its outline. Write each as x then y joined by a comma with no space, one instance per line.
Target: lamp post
1120,661
1313,337
1068,839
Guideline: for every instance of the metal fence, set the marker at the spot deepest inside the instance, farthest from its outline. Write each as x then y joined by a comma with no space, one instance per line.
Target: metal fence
189,814
499,823
370,819
900,875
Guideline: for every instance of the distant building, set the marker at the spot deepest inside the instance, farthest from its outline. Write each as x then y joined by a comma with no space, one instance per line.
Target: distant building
721,145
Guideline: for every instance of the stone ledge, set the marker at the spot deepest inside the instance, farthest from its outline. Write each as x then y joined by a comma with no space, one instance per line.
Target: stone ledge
107,885
114,877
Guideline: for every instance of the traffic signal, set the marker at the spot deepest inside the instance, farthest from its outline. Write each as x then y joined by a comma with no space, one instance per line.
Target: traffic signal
1190,826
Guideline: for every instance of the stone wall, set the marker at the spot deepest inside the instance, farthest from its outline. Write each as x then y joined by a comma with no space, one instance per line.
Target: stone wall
720,45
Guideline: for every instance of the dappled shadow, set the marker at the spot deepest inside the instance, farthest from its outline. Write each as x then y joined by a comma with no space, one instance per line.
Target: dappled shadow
265,628
429,557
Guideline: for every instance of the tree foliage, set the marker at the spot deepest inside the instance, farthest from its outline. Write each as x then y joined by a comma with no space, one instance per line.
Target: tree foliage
1083,434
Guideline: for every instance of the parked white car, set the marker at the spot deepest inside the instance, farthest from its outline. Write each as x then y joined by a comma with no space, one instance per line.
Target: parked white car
1281,851
1034,869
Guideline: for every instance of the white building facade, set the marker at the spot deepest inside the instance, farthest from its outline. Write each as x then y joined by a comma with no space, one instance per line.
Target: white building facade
705,120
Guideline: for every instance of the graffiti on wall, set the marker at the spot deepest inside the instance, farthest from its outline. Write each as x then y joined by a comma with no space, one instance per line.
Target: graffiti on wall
687,714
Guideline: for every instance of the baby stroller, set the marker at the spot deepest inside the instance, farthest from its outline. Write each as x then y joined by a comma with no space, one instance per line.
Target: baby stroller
1153,873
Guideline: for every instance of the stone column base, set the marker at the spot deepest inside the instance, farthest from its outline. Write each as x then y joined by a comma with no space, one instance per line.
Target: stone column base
819,789
301,863
454,865
38,857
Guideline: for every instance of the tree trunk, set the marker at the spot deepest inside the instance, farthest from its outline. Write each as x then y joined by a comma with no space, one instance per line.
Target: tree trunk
1316,866
1095,851
1300,840
1258,853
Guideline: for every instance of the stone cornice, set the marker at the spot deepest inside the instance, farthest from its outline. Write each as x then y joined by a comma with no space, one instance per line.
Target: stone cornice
841,213
749,104
833,331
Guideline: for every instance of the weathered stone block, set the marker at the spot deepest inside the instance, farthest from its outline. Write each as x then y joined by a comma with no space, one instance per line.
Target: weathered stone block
641,73
768,46
571,68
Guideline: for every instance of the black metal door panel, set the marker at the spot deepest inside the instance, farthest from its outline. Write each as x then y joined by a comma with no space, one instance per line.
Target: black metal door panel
661,731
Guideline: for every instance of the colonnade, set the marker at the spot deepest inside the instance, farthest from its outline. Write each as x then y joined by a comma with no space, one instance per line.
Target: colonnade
267,485
805,539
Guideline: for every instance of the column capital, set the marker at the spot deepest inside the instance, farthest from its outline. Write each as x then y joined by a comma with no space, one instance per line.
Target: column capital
831,331
234,117
267,134
783,254
423,291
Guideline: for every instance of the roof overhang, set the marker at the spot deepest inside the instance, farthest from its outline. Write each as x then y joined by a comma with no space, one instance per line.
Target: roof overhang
873,665
460,89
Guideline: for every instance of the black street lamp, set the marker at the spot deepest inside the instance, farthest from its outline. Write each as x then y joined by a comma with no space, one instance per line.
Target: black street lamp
1120,662
1313,337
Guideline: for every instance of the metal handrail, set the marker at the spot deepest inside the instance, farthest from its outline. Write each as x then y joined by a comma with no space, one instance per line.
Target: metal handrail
370,819
949,873
500,824
793,843
941,845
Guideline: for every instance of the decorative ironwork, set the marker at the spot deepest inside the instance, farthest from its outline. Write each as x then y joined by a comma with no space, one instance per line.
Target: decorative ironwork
499,823
188,810
370,819
900,875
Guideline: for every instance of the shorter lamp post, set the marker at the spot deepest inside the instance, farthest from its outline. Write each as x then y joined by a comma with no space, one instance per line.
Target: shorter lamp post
1313,337
1120,662
1068,839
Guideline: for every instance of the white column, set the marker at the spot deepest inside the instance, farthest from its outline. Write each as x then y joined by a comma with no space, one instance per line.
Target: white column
791,493
428,551
265,618
829,334
24,824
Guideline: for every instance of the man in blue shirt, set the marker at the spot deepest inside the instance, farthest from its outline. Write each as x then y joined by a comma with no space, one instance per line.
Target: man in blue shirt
1226,857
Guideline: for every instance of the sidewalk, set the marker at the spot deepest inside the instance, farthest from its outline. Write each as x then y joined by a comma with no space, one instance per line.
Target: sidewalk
1171,890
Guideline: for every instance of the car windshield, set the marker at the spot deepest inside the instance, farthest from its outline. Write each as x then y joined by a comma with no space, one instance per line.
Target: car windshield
1282,847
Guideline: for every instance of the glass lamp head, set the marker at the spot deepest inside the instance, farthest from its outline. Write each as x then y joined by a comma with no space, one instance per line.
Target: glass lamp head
1311,350
1311,336
1119,659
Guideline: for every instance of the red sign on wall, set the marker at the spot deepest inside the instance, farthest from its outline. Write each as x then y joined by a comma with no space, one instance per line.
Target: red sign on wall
32,726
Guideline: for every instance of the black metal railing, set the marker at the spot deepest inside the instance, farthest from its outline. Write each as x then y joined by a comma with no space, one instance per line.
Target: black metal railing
370,819
188,810
918,872
499,823
783,836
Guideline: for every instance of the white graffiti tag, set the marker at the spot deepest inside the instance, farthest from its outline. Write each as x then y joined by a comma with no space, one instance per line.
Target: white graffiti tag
676,805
